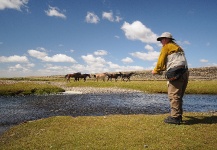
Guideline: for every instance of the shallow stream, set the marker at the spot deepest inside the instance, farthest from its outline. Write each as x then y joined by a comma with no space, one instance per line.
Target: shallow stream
15,110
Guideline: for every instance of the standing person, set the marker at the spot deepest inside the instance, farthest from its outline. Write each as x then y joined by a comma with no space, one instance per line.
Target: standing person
172,59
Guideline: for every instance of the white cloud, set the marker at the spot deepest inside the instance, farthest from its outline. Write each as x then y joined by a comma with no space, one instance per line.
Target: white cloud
138,31
150,56
22,68
149,47
108,16
100,52
55,58
99,64
15,58
203,60
59,58
118,18
17,67
37,54
113,66
94,61
54,11
13,4
30,65
116,68
92,18
127,60
53,67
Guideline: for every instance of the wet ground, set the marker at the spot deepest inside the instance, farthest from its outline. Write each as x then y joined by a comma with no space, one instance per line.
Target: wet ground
15,110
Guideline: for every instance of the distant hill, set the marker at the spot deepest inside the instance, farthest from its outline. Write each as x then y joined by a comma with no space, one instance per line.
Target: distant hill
203,73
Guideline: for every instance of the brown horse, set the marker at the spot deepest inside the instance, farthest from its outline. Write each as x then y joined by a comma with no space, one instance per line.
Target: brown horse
127,76
84,76
114,75
100,76
74,75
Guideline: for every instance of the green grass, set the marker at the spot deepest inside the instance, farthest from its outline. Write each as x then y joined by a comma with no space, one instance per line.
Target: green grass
27,88
114,132
194,87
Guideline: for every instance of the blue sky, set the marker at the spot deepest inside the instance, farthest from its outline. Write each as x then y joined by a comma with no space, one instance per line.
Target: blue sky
53,37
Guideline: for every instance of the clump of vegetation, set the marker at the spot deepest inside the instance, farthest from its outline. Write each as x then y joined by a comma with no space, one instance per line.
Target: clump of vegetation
27,88
114,132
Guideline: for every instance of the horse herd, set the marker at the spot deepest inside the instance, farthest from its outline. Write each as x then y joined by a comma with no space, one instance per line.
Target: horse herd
102,76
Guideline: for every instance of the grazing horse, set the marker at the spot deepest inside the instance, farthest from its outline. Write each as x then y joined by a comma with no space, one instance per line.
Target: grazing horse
127,76
83,76
115,75
74,75
100,76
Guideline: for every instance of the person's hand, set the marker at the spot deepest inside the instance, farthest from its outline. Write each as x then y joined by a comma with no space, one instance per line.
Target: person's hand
154,72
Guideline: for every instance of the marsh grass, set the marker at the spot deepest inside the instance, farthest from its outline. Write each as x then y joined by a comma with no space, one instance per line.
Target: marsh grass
198,132
27,88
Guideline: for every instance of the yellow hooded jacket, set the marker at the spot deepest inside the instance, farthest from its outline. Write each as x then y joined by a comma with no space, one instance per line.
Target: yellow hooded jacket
166,50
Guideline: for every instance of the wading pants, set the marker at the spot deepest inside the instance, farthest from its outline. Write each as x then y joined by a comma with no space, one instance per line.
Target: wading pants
176,90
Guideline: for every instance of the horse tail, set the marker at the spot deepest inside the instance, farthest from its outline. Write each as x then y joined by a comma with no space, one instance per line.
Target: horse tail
66,76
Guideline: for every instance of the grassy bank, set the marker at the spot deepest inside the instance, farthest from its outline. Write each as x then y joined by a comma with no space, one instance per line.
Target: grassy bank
198,132
27,88
194,87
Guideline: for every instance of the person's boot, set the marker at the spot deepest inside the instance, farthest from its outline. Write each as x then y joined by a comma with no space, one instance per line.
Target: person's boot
171,120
